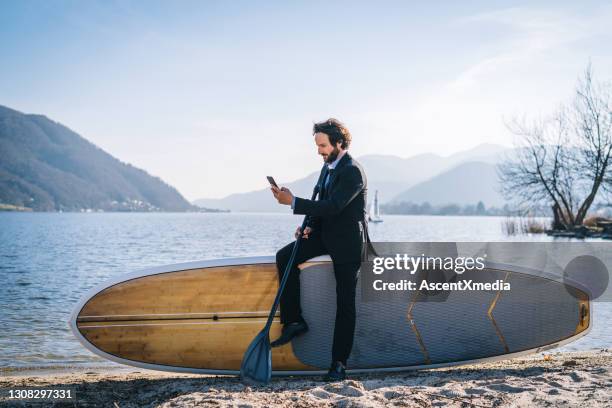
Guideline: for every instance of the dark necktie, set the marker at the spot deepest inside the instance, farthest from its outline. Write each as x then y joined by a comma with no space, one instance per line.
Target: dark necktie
326,183
329,176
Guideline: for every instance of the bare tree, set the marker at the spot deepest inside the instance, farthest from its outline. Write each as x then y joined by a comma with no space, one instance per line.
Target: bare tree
563,160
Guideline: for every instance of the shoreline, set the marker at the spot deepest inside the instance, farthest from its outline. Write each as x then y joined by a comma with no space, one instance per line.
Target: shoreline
545,379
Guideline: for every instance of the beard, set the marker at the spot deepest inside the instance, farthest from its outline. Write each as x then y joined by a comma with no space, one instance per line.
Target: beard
332,156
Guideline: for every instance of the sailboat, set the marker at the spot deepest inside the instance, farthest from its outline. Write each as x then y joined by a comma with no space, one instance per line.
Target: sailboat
374,213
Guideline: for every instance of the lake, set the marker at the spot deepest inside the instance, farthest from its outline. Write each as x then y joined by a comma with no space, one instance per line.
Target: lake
49,260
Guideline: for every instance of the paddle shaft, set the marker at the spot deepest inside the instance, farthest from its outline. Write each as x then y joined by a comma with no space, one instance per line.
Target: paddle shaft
288,268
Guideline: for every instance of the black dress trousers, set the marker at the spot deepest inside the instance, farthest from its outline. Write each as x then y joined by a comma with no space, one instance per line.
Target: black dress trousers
346,274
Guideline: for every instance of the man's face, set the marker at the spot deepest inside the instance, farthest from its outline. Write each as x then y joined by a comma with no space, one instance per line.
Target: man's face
325,148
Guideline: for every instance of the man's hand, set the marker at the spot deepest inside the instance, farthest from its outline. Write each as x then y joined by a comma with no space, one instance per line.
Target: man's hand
283,195
307,232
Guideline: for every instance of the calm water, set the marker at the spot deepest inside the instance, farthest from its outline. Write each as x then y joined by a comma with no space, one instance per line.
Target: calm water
49,260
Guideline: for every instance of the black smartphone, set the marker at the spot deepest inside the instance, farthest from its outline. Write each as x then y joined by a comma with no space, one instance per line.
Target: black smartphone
271,181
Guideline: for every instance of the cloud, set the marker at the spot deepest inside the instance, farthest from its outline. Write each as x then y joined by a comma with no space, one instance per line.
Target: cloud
533,32
532,69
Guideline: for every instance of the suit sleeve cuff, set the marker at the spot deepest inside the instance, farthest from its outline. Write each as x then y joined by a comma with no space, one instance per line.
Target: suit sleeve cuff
293,203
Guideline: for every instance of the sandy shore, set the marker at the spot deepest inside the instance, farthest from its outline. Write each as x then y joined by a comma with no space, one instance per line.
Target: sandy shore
544,380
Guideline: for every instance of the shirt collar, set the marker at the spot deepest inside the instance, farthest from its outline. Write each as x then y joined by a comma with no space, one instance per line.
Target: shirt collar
333,165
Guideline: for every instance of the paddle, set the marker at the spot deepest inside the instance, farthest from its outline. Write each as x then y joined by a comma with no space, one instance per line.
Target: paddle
256,364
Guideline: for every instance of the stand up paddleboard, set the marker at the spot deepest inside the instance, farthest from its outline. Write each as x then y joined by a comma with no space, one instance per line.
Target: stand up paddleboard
200,317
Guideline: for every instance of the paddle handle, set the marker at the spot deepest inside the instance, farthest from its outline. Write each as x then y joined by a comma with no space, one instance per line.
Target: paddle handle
288,268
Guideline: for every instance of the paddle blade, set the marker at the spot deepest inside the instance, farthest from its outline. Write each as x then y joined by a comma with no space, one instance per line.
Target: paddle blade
256,364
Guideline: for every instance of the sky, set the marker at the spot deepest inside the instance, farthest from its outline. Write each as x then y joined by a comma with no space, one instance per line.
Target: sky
212,96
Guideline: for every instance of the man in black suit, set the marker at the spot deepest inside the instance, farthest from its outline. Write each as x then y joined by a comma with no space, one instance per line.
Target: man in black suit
335,226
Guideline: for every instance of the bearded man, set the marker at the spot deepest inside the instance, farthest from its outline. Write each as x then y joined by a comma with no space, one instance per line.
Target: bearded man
335,226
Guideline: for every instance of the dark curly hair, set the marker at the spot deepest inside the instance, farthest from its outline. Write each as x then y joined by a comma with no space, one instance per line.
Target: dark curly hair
335,130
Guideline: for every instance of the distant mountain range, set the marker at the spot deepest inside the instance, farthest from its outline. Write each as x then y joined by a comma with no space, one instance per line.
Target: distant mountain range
45,166
462,178
466,183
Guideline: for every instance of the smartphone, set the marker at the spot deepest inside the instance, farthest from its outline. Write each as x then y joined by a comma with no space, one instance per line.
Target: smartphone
271,181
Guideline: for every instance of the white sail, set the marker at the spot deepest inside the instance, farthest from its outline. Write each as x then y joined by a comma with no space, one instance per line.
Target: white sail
376,209
374,213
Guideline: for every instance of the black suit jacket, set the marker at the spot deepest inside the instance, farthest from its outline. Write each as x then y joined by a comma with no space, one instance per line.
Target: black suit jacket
339,213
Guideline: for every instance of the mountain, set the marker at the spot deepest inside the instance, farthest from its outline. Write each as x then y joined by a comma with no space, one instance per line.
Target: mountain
260,200
467,183
47,167
485,152
390,175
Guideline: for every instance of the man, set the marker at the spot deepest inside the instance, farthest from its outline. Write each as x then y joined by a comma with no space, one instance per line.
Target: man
335,226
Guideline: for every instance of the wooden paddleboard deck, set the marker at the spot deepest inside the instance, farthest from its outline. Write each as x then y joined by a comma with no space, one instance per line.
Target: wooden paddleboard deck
200,317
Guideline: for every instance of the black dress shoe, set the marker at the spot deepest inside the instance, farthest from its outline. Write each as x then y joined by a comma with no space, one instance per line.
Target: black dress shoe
290,331
337,372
